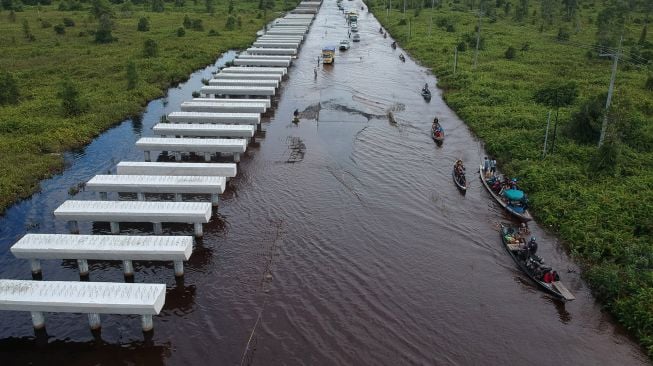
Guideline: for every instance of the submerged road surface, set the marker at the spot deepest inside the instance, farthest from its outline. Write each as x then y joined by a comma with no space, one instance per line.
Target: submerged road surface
343,241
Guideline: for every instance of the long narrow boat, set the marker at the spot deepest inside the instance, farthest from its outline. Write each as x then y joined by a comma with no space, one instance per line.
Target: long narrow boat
555,288
437,138
461,182
518,212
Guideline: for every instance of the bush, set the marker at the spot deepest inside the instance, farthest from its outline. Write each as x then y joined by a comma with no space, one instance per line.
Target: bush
649,83
68,22
563,34
402,21
181,31
70,102
510,53
143,25
585,124
103,34
60,29
132,75
231,23
196,94
197,25
150,48
8,89
462,46
45,24
213,33
451,28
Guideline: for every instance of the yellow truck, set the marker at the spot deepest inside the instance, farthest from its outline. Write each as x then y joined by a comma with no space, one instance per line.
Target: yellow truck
328,54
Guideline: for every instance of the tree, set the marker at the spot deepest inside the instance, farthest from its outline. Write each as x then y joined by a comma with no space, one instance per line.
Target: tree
610,23
181,31
132,75
231,23
103,33
585,123
557,96
510,53
8,89
27,32
547,11
179,3
150,48
60,29
100,8
210,6
642,36
570,7
143,25
157,6
521,12
69,95
231,7
187,22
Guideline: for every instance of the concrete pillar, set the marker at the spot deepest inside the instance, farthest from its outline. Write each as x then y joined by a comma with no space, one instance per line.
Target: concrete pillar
94,321
128,268
38,320
236,157
74,227
179,268
158,228
177,156
140,196
207,157
147,155
198,230
104,196
83,267
214,199
253,140
146,321
115,227
178,197
36,266
258,128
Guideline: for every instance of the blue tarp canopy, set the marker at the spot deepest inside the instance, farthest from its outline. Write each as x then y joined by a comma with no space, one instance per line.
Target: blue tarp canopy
514,194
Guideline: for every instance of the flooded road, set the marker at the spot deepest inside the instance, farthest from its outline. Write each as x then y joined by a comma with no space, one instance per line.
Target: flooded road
343,240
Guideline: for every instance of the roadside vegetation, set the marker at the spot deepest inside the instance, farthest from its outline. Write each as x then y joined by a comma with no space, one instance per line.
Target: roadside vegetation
541,56
70,69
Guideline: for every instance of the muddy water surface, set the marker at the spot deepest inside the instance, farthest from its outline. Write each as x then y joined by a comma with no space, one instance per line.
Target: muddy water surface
342,241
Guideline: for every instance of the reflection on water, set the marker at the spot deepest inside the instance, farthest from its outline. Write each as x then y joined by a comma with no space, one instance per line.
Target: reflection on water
360,252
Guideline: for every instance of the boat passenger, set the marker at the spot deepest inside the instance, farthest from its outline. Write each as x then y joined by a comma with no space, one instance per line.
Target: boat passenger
486,166
425,88
523,229
548,277
532,246
493,166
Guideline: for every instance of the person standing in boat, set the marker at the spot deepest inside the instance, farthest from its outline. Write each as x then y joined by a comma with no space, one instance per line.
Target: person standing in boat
493,166
486,167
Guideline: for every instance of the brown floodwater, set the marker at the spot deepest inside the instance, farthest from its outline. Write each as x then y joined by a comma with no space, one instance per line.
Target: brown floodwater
343,241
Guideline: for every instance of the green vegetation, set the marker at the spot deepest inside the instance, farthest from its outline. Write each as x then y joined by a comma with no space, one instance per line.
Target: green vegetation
59,88
541,56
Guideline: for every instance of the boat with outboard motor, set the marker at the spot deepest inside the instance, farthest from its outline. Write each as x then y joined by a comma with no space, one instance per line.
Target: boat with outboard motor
513,200
532,265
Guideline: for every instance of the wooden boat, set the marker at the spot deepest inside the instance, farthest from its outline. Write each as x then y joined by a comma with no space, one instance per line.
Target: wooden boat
515,211
555,288
426,94
439,138
460,181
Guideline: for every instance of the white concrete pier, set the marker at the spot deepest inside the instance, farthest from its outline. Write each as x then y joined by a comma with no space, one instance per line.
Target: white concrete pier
91,298
255,70
266,101
265,91
271,51
158,184
260,62
193,145
266,57
37,247
244,82
275,44
252,76
204,130
196,213
224,107
221,118
227,170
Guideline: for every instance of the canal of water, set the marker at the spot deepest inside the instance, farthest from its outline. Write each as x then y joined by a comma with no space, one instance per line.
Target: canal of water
343,240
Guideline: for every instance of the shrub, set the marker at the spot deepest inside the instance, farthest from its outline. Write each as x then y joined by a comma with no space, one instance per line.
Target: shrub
231,23
150,48
585,124
143,25
157,6
45,24
649,83
451,28
68,22
402,21
197,25
181,31
187,22
103,33
510,53
60,29
8,89
196,94
70,102
462,46
213,33
563,34
132,75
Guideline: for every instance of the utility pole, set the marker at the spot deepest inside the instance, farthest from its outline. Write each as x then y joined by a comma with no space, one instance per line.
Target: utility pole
404,7
478,37
455,59
546,134
615,58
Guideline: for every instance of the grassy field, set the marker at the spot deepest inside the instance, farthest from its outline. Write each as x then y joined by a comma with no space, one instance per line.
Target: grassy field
599,201
37,129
